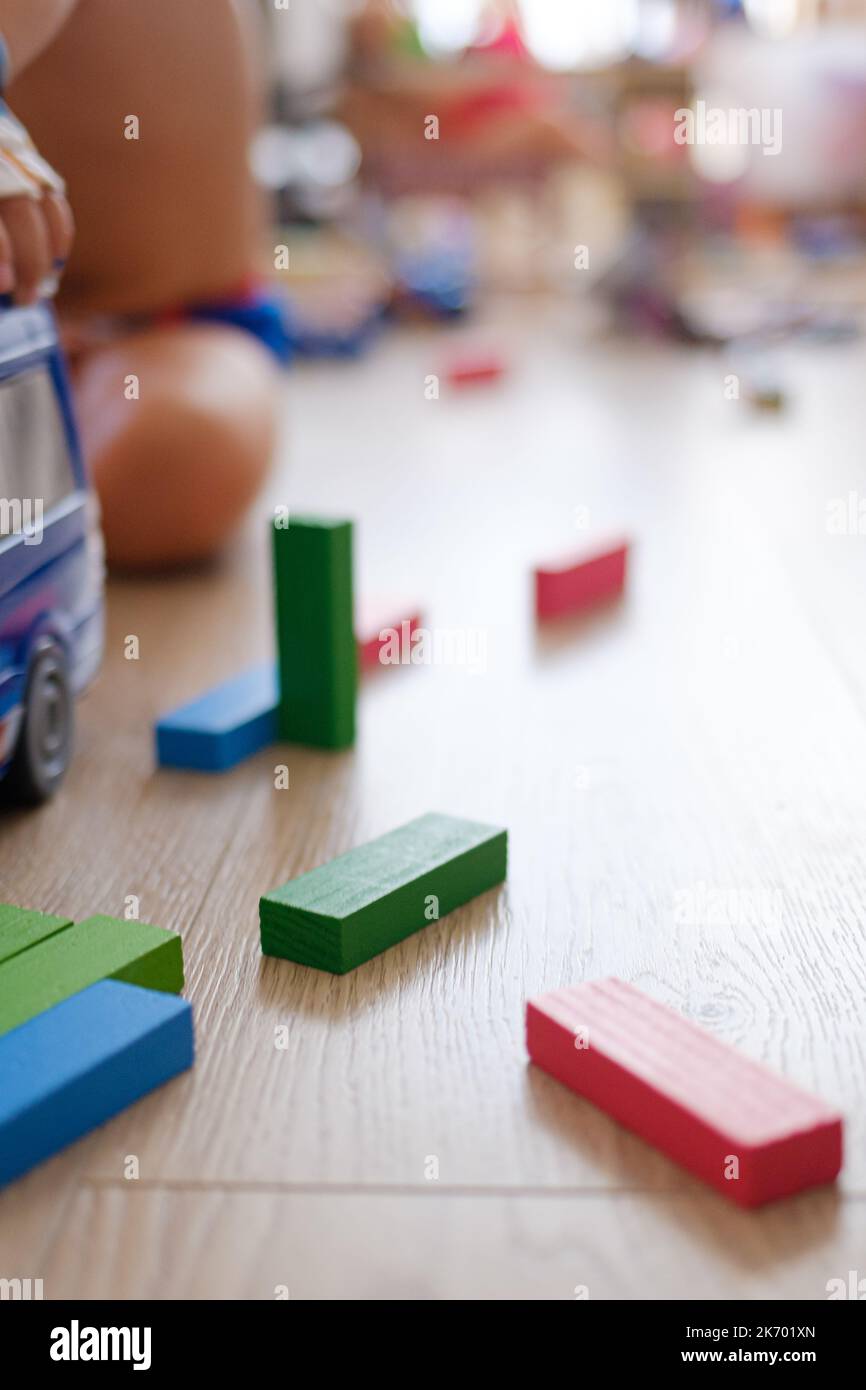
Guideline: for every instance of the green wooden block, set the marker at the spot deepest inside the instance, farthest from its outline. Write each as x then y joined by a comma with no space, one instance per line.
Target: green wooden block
316,650
21,928
344,913
100,948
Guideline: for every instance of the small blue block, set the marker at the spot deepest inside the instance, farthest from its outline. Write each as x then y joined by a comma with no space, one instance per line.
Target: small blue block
222,727
74,1066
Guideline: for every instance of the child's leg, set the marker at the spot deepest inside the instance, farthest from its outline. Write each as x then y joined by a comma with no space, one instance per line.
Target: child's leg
176,468
165,220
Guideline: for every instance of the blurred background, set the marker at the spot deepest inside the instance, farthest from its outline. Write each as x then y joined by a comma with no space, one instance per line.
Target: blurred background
422,154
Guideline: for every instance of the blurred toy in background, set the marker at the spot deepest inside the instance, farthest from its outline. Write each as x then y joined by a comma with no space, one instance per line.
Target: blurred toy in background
398,141
432,246
641,289
508,144
336,290
452,99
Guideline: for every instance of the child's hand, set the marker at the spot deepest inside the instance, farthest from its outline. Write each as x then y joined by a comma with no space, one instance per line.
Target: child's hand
35,218
35,239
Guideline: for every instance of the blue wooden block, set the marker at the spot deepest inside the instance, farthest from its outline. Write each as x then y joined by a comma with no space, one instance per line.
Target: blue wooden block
222,727
74,1066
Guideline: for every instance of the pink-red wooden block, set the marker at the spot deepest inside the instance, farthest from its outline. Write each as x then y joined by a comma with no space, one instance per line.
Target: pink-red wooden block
747,1132
578,583
474,369
376,627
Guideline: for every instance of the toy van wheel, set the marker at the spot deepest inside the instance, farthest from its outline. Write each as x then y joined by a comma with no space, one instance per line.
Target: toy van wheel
45,742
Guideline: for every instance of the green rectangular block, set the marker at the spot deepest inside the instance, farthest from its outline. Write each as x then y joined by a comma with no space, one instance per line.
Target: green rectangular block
100,948
344,913
316,651
21,928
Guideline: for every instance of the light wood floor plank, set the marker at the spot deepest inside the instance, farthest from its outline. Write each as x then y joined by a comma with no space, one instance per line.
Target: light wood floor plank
211,1244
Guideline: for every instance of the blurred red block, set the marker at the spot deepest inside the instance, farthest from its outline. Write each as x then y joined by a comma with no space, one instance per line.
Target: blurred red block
380,634
579,583
705,1105
474,370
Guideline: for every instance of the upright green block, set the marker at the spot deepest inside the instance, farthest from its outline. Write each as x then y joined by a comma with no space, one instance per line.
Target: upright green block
343,913
21,928
99,948
316,651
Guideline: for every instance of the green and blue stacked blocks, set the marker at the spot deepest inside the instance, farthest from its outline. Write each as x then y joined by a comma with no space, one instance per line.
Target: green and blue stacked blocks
309,695
89,1022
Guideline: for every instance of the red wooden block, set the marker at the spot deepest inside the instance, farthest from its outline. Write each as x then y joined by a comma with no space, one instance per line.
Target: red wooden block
474,369
374,622
579,583
698,1100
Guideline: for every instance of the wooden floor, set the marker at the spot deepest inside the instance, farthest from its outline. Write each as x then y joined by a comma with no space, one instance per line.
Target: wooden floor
683,778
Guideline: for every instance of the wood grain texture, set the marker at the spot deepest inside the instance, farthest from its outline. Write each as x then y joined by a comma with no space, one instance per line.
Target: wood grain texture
683,778
214,1243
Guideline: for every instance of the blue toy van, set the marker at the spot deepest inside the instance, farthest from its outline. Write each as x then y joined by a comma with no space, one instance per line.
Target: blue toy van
51,559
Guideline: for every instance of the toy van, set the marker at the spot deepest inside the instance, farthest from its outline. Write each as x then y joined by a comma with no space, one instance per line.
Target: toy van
51,559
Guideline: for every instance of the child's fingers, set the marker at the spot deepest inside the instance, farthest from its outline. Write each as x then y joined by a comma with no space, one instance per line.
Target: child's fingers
61,228
30,245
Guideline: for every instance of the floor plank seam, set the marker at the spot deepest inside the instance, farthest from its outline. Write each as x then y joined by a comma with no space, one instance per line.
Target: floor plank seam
253,1188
